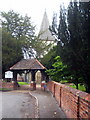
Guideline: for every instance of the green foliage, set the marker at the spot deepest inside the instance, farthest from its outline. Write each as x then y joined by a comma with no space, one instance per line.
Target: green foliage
17,25
48,59
80,87
73,41
41,47
64,81
17,35
11,51
53,27
59,70
20,28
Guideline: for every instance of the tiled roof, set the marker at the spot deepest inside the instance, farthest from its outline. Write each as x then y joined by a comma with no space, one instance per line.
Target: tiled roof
27,64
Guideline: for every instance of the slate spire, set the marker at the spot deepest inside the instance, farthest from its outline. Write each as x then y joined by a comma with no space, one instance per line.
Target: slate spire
45,33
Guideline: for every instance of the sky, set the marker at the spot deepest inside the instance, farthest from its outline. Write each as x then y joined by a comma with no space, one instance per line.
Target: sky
33,8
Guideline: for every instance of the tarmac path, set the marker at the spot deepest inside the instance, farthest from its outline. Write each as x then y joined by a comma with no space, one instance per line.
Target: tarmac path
22,104
48,107
18,105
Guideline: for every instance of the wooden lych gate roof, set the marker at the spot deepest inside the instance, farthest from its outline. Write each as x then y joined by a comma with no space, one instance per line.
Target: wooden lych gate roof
28,64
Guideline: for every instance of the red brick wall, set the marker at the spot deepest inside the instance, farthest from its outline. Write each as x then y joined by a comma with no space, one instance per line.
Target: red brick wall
75,103
8,85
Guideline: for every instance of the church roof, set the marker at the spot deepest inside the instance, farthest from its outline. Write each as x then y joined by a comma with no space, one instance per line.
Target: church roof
28,64
45,33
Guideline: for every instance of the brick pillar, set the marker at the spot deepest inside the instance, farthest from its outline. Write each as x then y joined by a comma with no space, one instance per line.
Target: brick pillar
78,106
60,96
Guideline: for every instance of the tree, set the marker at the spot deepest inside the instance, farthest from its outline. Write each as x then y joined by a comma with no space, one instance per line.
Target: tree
68,35
17,35
73,40
40,47
11,51
85,46
53,27
78,26
59,70
20,28
48,59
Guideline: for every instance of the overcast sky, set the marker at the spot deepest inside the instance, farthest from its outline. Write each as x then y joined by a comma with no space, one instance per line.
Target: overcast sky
33,8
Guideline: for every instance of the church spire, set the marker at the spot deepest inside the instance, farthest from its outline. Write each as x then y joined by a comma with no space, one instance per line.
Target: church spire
44,32
45,22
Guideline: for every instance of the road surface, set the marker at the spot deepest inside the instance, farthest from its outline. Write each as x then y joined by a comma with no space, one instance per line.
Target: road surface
18,105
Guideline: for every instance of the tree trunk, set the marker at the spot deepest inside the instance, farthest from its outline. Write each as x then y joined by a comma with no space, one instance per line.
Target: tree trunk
77,83
87,82
88,86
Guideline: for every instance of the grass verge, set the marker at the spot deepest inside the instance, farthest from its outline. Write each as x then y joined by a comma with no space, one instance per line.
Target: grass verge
63,81
23,83
5,89
80,87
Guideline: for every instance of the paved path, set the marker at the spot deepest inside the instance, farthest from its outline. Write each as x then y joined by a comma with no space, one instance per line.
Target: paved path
18,105
48,107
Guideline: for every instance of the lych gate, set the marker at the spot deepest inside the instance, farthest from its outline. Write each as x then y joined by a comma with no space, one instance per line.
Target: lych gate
26,66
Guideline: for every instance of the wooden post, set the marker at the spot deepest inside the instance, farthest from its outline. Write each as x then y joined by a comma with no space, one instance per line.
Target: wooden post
33,83
14,76
33,75
42,76
25,76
